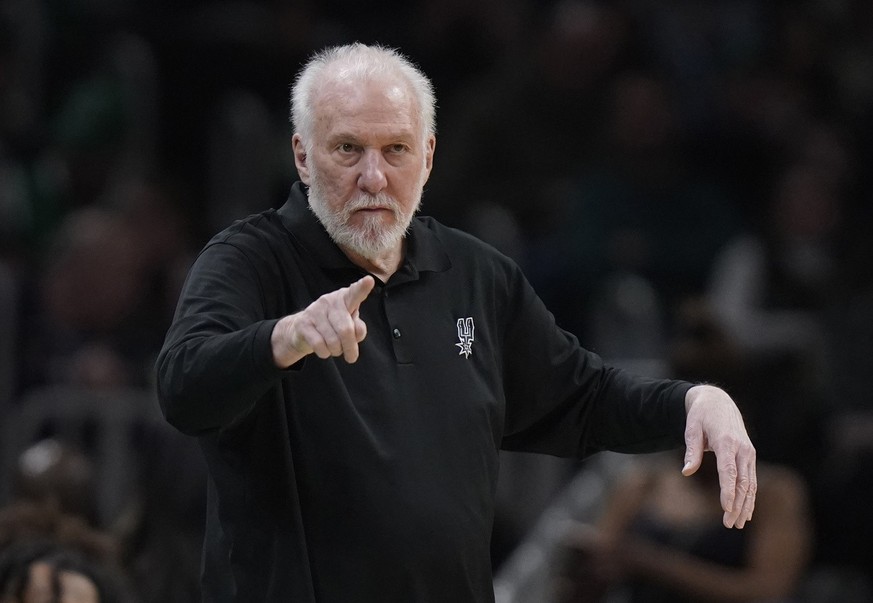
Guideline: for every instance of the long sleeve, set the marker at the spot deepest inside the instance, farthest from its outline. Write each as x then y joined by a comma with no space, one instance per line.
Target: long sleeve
216,361
563,400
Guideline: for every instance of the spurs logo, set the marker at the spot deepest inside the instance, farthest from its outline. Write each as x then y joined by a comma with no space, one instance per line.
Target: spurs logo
465,335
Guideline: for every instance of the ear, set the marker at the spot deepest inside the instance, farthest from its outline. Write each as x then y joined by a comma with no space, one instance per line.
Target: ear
300,159
429,148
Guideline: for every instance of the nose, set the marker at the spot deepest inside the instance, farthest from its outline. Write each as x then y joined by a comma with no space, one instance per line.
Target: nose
372,178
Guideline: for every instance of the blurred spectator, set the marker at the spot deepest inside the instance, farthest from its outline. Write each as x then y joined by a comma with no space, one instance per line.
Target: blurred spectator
636,208
660,539
107,292
46,555
86,332
39,573
57,475
511,137
154,540
769,288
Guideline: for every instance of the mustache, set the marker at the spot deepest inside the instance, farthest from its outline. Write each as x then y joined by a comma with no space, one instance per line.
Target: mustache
365,201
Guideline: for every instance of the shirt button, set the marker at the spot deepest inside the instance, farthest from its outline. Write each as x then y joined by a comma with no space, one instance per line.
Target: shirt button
396,333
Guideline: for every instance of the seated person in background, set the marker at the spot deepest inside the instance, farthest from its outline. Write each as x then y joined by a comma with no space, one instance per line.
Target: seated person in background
44,572
660,539
57,474
48,556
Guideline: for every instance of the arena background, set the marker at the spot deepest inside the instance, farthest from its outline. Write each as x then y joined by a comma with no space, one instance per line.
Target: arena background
687,185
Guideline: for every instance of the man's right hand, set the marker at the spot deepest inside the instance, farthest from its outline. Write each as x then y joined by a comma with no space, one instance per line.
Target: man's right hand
329,326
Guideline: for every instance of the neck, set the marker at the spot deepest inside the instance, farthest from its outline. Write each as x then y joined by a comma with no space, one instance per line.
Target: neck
382,266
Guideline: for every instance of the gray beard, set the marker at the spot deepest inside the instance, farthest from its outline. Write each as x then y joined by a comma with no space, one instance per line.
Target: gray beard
371,239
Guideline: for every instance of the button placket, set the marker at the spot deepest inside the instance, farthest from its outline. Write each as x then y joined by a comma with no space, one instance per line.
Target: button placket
399,340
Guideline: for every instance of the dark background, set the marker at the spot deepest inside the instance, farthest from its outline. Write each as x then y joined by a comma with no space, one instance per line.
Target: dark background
686,184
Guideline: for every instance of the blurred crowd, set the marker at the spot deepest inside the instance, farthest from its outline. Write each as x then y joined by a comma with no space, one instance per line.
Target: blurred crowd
682,181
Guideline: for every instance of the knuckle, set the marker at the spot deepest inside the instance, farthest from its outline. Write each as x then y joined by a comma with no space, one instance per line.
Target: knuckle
345,330
331,340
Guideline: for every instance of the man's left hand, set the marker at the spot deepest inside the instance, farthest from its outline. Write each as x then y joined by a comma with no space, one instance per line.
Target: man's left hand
713,423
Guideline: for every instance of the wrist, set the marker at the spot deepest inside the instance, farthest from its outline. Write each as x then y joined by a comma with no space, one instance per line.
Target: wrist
285,353
695,392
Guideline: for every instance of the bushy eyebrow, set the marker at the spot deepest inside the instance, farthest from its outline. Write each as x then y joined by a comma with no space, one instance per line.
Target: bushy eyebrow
392,138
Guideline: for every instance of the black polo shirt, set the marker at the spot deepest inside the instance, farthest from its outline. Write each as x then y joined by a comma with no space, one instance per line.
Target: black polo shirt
375,481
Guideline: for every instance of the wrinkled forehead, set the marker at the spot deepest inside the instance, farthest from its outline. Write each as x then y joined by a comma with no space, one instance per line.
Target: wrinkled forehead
379,99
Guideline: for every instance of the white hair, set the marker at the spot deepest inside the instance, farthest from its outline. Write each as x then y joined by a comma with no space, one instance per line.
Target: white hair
358,62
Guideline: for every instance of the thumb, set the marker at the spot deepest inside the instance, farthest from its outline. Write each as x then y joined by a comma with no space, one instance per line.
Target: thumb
693,451
358,291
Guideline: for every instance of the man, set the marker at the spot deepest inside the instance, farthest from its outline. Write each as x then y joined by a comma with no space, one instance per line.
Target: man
352,372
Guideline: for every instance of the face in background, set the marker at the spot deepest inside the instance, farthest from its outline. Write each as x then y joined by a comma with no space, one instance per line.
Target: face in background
72,587
367,162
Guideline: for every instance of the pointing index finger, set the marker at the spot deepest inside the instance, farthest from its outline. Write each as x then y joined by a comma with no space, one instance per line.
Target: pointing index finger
357,292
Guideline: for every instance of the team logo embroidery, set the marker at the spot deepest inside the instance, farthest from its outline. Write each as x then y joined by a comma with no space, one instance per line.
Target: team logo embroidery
466,336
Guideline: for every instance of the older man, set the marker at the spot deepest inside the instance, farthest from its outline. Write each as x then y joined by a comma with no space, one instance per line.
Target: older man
352,371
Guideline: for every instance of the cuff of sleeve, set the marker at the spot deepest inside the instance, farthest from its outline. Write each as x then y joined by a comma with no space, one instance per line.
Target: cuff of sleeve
676,408
262,352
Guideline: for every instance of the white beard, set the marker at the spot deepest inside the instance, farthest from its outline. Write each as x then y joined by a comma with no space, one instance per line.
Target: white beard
371,239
